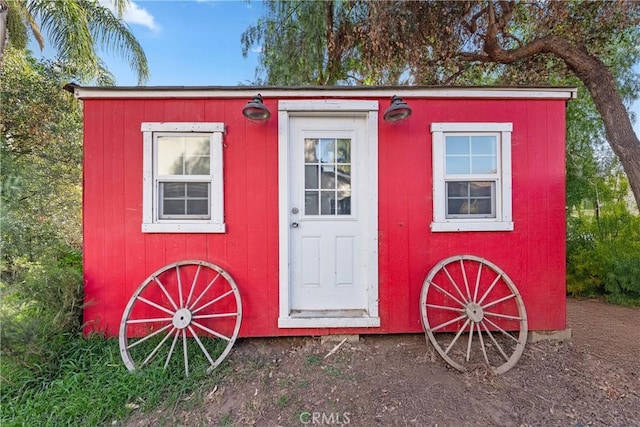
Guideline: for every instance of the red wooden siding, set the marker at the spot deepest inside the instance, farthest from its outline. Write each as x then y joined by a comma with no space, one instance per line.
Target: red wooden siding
118,257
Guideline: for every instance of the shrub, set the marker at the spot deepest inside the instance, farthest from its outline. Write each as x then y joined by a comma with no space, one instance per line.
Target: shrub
603,255
41,310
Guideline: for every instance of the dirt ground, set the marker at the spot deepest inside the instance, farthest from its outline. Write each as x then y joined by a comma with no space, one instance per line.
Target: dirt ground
594,379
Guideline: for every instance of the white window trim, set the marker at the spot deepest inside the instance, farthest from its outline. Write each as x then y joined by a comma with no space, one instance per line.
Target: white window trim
150,221
503,220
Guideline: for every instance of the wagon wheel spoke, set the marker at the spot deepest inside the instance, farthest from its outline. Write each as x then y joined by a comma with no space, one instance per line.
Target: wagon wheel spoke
173,346
464,278
179,286
484,349
213,301
153,304
448,294
453,341
470,340
477,287
185,349
492,308
204,350
453,282
164,291
495,342
445,324
502,316
152,320
156,348
211,331
215,316
205,290
151,335
205,318
505,333
444,307
193,285
488,291
498,301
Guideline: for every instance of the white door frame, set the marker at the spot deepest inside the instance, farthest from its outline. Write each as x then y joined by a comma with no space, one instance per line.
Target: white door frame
328,108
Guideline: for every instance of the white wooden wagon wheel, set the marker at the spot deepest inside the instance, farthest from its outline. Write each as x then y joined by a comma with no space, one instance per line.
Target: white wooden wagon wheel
186,313
473,314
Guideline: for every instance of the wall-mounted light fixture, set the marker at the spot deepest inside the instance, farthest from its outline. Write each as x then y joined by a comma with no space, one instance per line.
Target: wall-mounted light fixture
256,111
398,111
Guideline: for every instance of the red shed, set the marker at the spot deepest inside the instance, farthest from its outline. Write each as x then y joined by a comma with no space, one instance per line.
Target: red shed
323,216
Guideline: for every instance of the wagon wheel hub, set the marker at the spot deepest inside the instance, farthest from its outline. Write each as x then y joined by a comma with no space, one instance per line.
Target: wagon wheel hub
182,318
474,312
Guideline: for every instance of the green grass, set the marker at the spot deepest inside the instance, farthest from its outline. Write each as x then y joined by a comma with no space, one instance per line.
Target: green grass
91,386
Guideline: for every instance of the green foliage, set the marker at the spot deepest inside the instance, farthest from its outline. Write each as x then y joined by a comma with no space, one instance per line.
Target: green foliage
77,29
92,387
603,254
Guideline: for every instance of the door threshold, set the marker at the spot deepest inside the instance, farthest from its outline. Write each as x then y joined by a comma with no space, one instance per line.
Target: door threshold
329,319
314,314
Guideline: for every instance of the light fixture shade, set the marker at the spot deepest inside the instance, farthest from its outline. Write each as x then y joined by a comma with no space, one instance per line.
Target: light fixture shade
256,111
398,111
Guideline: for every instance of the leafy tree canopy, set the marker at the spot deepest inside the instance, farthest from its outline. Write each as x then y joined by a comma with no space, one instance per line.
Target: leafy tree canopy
75,29
591,44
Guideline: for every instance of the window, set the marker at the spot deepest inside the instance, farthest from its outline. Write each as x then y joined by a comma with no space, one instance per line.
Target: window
471,176
182,186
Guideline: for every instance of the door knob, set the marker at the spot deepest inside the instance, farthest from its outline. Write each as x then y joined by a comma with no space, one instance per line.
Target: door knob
295,225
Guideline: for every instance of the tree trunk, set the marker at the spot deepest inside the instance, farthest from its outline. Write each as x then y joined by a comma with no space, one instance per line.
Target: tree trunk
603,89
4,11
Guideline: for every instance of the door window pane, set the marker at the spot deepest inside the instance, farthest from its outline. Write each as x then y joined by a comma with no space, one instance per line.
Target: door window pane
311,177
328,173
311,203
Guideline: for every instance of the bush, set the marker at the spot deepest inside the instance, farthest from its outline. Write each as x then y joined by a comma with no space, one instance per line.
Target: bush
41,310
603,255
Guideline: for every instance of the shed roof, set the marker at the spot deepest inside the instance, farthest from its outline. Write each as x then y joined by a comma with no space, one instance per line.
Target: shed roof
466,92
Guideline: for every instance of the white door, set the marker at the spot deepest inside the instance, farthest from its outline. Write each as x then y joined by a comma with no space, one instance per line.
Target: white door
330,217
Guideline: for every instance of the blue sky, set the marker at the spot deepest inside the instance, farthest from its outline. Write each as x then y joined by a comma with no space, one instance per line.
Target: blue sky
191,43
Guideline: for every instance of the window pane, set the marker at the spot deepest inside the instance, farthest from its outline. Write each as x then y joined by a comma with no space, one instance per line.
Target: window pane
482,206
470,198
457,189
457,145
344,202
483,145
483,164
481,189
311,202
311,177
327,150
344,177
458,165
172,189
344,151
198,189
173,207
454,206
328,205
183,155
197,165
197,207
310,150
170,155
196,146
328,177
